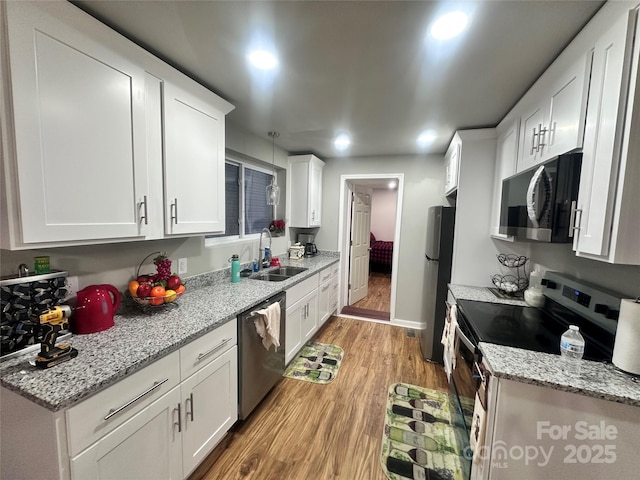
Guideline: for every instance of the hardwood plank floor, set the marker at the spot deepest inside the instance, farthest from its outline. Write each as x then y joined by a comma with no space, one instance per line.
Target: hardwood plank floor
378,294
307,431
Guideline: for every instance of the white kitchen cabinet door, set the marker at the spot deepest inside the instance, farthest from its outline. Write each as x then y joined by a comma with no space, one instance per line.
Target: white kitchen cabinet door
79,125
193,165
451,167
210,408
324,302
147,446
532,125
506,158
568,108
304,184
612,59
310,318
293,329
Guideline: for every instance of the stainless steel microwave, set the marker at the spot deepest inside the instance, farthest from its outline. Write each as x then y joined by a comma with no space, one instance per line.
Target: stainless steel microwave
538,204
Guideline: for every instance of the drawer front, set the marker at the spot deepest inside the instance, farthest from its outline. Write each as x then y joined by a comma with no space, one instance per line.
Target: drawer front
86,421
335,268
301,290
325,275
207,348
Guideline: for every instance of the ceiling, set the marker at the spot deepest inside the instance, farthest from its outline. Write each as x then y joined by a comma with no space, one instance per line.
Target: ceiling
368,68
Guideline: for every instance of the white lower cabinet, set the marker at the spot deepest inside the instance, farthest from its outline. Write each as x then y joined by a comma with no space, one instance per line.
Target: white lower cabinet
327,294
147,446
302,315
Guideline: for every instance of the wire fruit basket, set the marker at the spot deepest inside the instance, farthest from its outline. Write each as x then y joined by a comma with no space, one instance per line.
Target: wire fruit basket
512,284
159,289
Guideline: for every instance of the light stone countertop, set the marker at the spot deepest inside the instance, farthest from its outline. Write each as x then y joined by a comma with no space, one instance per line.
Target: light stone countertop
140,337
597,379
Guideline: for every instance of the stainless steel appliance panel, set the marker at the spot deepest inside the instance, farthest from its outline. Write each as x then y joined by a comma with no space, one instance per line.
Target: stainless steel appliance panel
259,369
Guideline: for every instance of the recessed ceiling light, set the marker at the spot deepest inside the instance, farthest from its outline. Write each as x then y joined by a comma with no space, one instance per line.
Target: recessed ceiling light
449,25
263,60
426,138
342,141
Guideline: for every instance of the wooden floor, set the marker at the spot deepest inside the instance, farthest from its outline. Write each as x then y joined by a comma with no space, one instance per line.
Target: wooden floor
308,431
379,293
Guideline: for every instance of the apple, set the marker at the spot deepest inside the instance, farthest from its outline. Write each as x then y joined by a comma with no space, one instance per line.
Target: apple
173,282
144,290
145,279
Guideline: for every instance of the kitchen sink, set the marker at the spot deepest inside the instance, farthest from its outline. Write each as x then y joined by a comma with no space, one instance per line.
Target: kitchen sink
270,277
288,271
279,274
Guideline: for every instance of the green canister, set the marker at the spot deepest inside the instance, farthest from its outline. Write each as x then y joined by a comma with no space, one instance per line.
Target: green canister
235,268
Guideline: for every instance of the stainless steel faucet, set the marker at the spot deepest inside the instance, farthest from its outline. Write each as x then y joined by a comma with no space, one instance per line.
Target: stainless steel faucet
260,249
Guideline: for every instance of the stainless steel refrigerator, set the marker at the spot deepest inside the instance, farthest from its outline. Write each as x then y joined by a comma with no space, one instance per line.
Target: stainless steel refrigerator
438,257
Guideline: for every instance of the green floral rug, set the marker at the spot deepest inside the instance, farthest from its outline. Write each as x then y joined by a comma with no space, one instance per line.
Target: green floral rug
419,441
316,362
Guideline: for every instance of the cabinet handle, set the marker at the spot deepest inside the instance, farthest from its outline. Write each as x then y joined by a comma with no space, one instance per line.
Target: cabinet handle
144,216
533,141
313,215
190,400
174,211
113,412
541,135
179,423
209,352
572,218
326,288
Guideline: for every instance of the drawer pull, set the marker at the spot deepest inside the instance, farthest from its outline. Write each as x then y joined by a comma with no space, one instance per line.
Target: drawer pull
179,422
209,352
155,385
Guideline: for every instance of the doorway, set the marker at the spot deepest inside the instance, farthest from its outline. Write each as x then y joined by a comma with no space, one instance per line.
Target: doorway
369,278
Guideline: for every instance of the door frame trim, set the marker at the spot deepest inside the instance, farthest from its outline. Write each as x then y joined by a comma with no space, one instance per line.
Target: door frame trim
344,226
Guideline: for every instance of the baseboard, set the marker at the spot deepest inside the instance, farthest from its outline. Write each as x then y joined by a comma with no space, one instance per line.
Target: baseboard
398,322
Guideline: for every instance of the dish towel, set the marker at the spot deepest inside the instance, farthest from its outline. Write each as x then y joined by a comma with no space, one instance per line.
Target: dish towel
449,335
267,324
478,424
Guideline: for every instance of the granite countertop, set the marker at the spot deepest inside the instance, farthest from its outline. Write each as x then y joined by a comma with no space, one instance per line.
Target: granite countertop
596,379
140,337
599,380
481,294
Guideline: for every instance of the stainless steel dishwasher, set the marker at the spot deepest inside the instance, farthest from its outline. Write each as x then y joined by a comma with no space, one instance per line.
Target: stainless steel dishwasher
259,369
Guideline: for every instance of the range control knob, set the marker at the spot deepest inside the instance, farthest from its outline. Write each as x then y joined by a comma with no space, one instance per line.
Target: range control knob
601,308
548,283
613,314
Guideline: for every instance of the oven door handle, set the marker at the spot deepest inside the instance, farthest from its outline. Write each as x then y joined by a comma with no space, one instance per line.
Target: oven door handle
464,339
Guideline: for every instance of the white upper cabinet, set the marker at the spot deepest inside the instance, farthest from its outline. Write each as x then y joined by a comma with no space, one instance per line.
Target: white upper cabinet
506,156
553,122
103,141
452,166
193,164
304,184
608,224
75,149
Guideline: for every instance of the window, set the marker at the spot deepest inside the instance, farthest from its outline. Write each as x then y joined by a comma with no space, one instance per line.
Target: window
246,209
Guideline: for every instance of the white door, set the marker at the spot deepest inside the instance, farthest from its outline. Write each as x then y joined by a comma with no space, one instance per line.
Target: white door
293,332
147,446
310,316
532,136
210,406
359,255
315,194
194,164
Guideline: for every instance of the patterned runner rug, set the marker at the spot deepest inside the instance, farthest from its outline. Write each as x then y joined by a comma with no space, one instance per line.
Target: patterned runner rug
316,362
419,440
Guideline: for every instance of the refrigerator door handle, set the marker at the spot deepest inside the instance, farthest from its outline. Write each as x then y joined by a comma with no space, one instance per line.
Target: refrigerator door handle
430,259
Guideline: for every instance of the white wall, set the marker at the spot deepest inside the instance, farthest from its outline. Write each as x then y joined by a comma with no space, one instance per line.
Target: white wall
383,213
117,263
423,187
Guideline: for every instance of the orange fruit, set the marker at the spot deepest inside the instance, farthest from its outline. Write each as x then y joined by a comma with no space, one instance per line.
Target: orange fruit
169,296
157,291
156,300
180,289
133,288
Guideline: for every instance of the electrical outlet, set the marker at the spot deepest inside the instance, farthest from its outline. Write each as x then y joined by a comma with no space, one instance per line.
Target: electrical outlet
72,287
182,266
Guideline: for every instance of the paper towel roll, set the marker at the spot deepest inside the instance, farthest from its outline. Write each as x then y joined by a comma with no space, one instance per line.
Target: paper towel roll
626,350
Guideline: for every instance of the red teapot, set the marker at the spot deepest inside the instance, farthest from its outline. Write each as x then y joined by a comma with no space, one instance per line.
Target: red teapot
95,309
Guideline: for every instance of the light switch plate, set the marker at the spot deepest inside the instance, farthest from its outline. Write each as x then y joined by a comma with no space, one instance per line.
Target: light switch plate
182,266
72,287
